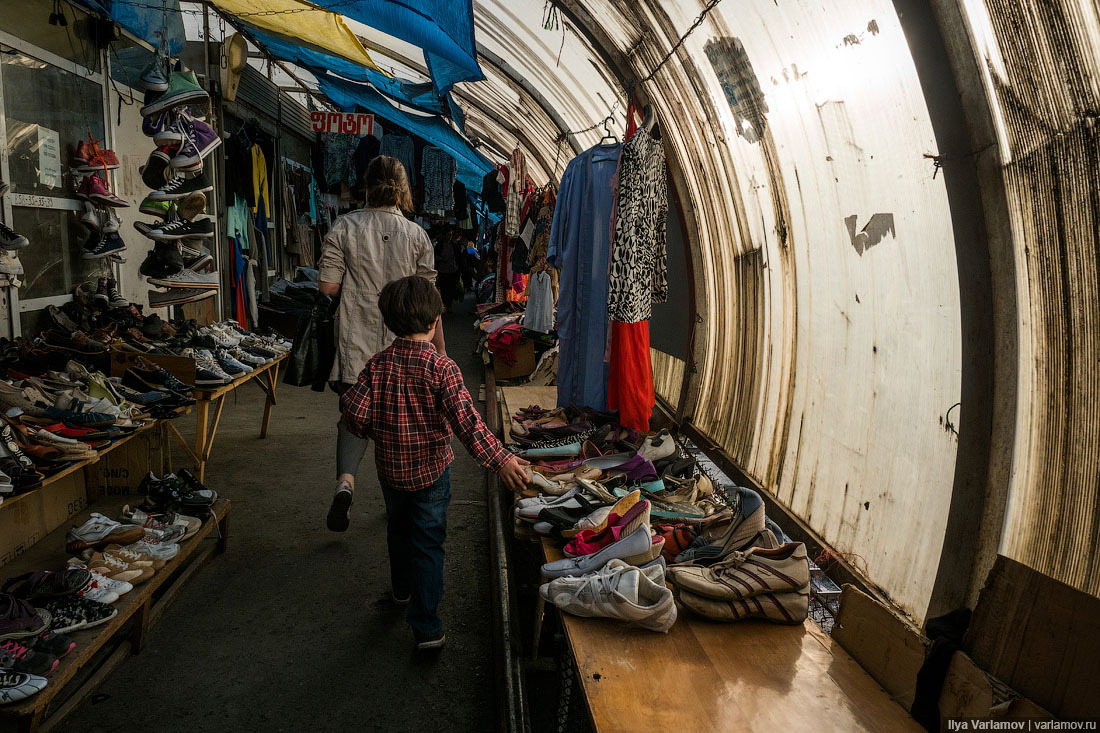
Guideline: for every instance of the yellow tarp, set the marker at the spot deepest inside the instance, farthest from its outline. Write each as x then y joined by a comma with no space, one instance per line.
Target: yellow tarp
314,27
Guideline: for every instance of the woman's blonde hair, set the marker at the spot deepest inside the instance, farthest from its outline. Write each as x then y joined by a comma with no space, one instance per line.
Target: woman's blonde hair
388,184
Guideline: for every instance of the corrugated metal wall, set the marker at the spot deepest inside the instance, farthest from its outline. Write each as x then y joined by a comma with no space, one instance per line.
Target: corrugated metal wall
1042,59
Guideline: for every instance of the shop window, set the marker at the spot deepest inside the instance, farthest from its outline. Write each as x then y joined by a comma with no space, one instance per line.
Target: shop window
48,111
53,263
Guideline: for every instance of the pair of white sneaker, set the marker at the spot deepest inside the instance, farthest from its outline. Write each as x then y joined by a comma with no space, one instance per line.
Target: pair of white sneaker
619,591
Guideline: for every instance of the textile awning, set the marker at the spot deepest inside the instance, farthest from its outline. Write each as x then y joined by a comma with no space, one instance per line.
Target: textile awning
303,24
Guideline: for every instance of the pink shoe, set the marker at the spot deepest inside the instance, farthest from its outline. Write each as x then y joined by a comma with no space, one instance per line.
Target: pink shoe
588,542
94,189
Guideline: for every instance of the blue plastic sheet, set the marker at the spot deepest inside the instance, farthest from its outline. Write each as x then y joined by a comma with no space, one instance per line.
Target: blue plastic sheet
145,22
444,28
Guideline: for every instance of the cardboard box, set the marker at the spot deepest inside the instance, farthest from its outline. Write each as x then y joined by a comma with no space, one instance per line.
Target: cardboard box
119,473
525,362
180,367
27,519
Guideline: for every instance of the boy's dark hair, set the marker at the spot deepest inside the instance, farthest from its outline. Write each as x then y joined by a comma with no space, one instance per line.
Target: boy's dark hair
410,305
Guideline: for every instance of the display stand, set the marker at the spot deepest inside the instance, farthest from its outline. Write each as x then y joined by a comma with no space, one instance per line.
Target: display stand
205,432
747,676
139,609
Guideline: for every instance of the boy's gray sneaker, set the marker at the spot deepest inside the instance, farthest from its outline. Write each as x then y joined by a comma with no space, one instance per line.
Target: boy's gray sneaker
430,642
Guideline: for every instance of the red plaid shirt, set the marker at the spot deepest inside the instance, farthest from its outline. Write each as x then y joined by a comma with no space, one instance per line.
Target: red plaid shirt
408,399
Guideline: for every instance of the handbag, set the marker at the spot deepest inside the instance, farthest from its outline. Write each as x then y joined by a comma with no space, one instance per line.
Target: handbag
314,346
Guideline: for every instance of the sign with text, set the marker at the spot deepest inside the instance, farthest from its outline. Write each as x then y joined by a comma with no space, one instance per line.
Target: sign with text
351,123
49,157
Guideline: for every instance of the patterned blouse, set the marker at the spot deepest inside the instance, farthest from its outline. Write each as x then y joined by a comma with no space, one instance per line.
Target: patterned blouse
639,266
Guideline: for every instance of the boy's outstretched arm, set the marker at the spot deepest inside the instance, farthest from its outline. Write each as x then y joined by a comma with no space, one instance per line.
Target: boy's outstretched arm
482,445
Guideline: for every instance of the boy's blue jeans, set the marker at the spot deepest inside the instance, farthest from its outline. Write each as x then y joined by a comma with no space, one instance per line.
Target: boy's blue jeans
416,529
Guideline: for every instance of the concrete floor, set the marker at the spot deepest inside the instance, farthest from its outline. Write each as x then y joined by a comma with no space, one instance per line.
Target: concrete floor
292,629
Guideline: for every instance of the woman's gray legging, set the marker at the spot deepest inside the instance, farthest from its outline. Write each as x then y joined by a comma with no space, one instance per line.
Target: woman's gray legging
349,449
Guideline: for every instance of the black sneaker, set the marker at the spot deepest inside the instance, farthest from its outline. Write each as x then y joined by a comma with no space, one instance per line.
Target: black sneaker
50,642
430,642
110,243
17,657
154,266
100,295
199,263
9,239
182,228
74,613
178,296
143,228
192,482
339,514
179,187
171,491
154,173
114,298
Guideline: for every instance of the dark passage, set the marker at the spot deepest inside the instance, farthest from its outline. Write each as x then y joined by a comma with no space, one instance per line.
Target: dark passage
293,628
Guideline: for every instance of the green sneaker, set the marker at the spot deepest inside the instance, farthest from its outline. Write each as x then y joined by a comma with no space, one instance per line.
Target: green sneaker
155,208
183,88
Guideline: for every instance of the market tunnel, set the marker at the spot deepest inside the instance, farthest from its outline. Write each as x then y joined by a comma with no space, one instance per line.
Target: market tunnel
882,314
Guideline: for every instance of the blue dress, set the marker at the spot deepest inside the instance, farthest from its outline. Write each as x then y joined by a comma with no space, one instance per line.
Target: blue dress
580,246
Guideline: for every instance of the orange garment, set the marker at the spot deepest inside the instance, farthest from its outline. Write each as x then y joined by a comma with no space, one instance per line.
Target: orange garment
630,375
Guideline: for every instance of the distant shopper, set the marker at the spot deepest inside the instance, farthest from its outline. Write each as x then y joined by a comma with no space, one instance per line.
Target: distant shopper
409,399
363,251
446,264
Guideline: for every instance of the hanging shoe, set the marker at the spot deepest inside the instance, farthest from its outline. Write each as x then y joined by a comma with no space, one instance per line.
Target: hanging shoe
94,189
111,222
179,187
109,244
10,239
9,263
154,77
114,298
188,279
91,158
181,228
183,88
198,142
155,208
90,215
178,296
191,206
154,173
100,295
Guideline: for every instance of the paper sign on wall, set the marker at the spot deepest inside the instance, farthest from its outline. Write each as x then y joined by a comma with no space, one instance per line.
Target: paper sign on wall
49,157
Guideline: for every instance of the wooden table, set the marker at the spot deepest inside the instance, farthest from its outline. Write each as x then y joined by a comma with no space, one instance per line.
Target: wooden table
204,398
711,676
138,605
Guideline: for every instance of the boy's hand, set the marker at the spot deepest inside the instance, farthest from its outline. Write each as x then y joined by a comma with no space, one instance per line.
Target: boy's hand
512,473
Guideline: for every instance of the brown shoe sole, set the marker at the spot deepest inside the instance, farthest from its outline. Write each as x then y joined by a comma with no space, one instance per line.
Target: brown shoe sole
123,537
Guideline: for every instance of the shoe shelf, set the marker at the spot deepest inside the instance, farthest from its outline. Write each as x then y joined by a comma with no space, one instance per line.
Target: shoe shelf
66,469
743,676
81,671
209,401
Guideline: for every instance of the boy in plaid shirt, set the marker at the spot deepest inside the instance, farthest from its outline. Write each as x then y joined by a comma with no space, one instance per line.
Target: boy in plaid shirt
410,400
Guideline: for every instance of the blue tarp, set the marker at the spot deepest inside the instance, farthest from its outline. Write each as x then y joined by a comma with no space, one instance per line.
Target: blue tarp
444,28
145,22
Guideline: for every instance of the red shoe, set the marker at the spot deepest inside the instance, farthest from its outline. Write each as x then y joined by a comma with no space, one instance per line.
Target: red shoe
92,158
94,189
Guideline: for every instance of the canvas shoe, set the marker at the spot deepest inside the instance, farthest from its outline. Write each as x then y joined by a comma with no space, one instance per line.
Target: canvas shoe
183,88
199,140
94,189
180,187
43,585
76,613
183,229
10,239
155,172
186,278
742,575
192,205
111,221
544,501
430,642
191,525
89,215
118,587
91,158
114,298
108,245
637,548
617,591
165,532
154,77
16,686
178,296
20,659
134,557
781,608
98,532
152,207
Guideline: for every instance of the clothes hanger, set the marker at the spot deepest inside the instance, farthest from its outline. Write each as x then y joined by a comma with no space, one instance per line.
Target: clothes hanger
607,134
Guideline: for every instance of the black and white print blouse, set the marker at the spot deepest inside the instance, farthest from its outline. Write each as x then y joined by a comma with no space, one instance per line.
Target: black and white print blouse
639,266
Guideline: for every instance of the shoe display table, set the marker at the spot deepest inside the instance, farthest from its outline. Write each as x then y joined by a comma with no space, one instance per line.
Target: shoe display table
265,377
75,679
706,675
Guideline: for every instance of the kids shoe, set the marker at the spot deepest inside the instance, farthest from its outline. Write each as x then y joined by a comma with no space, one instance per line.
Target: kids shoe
183,88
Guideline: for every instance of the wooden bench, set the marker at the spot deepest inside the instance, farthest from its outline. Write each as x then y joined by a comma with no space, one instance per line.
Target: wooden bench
75,679
205,398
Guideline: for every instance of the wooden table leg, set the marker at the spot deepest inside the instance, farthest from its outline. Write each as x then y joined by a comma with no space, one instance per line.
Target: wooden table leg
223,533
272,400
540,614
141,626
202,412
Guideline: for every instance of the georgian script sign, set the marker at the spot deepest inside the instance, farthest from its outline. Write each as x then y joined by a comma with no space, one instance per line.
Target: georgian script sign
351,123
